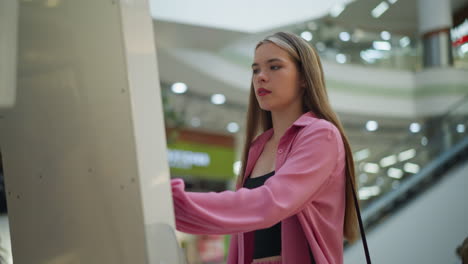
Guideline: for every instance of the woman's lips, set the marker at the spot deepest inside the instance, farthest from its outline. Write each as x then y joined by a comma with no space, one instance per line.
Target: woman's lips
263,91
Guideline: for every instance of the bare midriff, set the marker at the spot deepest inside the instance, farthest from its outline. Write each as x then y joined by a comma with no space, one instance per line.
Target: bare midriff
274,258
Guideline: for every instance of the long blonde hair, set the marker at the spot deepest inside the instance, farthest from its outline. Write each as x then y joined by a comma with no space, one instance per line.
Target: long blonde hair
315,100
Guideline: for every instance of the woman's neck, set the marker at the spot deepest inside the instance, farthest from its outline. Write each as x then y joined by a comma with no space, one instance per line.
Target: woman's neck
282,120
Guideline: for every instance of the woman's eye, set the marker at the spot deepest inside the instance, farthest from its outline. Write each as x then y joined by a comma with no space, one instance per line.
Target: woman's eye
255,71
275,67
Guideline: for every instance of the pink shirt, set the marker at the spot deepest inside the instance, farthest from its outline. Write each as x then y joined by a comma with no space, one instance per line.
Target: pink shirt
307,194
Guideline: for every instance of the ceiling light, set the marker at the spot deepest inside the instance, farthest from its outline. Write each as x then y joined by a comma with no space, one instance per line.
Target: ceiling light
411,168
371,55
392,1
371,168
381,45
306,35
388,161
405,41
385,35
337,9
195,122
372,125
344,36
179,88
460,128
218,99
415,127
361,155
340,58
232,127
395,173
366,192
424,141
320,46
407,154
379,9
236,167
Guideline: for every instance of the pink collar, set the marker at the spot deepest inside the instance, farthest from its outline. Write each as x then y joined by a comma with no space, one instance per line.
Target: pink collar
302,121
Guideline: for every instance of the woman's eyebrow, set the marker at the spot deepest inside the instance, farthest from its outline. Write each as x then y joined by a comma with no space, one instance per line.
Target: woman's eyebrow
268,61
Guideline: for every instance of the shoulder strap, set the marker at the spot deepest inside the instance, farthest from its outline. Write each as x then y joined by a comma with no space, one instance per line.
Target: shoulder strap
361,227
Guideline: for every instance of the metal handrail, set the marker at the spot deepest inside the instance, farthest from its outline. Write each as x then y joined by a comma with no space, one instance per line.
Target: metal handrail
381,203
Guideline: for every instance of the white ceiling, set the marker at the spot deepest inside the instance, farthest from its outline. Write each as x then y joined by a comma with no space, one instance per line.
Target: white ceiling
241,15
177,35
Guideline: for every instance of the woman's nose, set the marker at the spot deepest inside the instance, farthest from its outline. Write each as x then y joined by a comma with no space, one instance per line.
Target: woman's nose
261,77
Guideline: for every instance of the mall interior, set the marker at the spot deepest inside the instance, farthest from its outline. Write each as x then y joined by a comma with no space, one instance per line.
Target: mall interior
102,102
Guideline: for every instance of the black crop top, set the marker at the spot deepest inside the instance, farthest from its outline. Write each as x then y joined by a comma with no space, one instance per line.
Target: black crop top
267,242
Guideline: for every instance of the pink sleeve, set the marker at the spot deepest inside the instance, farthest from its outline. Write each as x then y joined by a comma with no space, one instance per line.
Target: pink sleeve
308,167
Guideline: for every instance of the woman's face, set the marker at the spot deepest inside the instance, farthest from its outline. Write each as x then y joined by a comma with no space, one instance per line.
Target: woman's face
275,79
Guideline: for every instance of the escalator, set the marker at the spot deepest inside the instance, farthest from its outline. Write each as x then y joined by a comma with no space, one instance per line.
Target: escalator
414,204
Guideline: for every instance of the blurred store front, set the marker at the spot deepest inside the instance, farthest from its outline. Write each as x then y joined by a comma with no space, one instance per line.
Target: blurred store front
205,161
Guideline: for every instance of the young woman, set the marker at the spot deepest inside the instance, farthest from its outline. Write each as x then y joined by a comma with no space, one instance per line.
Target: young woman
293,203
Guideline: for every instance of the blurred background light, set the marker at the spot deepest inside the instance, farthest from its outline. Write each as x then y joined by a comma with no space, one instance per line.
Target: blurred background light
415,127
372,125
381,45
233,127
344,36
385,35
307,35
218,99
179,88
340,58
379,9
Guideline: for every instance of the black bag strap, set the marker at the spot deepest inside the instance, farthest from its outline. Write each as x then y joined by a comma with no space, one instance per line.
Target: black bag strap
361,226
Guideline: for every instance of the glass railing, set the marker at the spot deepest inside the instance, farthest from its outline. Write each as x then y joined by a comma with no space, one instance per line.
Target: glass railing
388,178
351,46
384,49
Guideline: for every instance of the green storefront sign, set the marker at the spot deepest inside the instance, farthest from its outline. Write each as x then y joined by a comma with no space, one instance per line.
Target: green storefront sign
201,160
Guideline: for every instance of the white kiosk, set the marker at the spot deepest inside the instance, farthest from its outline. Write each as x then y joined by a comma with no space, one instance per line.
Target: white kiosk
82,135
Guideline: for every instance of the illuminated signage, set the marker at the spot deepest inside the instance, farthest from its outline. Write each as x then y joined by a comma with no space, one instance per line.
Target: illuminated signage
200,160
459,33
183,159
